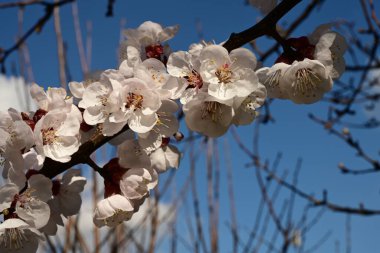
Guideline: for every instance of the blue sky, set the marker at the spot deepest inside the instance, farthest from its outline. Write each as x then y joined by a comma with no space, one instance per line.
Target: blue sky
293,133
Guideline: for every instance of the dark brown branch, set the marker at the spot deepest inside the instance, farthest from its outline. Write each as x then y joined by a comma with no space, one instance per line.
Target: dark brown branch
110,5
292,27
264,27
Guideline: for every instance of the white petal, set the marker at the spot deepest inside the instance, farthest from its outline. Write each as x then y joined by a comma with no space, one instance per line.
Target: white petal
173,156
158,160
77,89
244,58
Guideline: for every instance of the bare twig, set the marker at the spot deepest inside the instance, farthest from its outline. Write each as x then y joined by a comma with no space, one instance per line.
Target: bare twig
110,5
60,47
20,3
37,27
79,40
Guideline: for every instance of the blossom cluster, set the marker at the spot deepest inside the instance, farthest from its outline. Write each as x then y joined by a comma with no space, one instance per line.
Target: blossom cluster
306,73
136,106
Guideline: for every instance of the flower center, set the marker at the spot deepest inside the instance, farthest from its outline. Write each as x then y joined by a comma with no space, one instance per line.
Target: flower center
273,80
306,81
103,99
158,77
25,198
212,110
13,238
48,136
154,51
194,79
134,101
118,216
249,105
224,74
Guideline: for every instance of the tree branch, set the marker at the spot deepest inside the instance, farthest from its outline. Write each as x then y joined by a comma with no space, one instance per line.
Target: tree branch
361,210
52,168
264,27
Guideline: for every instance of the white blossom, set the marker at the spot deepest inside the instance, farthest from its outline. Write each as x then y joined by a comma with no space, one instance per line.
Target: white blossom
66,199
137,108
147,39
99,101
306,81
329,51
57,134
68,196
186,67
53,98
165,157
30,205
271,79
137,182
18,237
155,75
208,116
166,126
229,75
78,88
112,211
16,132
246,108
132,155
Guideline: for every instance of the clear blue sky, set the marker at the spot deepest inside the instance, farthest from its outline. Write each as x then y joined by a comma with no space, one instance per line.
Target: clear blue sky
293,134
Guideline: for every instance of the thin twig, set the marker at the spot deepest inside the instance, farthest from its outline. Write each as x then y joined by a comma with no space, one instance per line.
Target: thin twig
37,27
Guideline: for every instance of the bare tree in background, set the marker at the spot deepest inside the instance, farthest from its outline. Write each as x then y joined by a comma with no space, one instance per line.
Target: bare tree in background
190,220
